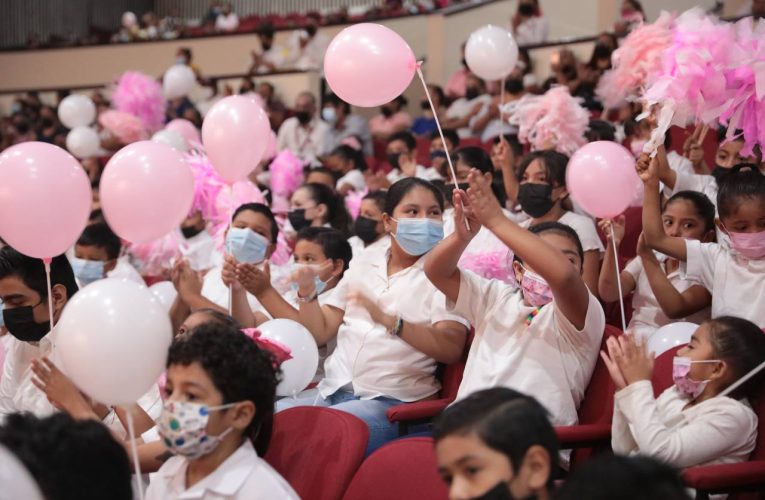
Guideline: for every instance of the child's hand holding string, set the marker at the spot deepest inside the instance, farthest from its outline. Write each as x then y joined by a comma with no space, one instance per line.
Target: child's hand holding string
647,169
618,224
228,274
483,203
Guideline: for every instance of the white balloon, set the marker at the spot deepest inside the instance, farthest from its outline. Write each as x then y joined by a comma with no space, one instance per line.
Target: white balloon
76,110
172,138
178,81
16,480
83,142
491,52
669,336
297,372
113,340
165,292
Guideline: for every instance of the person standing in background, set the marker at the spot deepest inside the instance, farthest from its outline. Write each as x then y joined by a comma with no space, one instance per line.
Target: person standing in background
528,25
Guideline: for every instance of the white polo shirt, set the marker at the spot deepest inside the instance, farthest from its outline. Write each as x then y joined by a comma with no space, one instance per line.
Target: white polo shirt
242,476
354,178
357,245
548,359
737,284
307,143
367,357
584,227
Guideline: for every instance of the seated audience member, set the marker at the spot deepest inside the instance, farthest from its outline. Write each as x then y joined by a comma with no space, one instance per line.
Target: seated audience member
307,46
732,271
198,246
438,160
661,291
608,477
304,134
97,256
369,231
491,122
26,305
465,108
349,165
455,87
388,344
528,24
227,20
631,16
316,205
271,56
601,130
69,459
323,176
426,124
391,120
402,156
694,422
506,157
541,339
496,443
343,124
217,419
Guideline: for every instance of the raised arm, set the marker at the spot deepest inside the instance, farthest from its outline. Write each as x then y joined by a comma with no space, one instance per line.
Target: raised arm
568,288
505,157
653,230
322,321
608,288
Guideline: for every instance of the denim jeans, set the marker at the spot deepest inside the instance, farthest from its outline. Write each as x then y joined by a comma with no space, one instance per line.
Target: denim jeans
371,411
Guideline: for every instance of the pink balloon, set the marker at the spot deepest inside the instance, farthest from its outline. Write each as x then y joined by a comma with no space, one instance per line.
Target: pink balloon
44,199
368,65
602,179
146,191
235,134
186,129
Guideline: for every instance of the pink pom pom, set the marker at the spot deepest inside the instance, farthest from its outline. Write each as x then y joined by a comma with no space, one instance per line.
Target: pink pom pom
158,256
283,250
281,352
353,202
490,265
286,174
207,184
553,120
141,96
124,126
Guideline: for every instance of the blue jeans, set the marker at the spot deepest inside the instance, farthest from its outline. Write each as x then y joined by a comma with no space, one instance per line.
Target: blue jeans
371,411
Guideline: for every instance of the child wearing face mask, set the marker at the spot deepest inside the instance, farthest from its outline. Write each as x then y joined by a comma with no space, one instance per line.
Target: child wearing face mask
541,339
695,422
349,165
368,228
389,322
541,193
496,444
733,273
315,205
97,256
661,292
217,419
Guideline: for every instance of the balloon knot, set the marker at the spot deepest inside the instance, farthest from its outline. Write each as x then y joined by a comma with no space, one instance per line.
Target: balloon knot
418,64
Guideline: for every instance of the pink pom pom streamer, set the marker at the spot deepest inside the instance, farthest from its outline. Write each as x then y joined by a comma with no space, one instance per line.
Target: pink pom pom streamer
490,265
554,119
156,257
228,199
353,202
286,174
207,184
141,96
281,352
124,126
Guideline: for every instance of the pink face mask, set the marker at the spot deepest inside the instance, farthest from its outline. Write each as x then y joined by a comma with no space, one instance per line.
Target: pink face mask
535,289
750,245
681,368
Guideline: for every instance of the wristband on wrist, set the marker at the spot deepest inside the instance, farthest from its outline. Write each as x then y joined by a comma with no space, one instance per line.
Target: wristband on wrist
305,300
398,326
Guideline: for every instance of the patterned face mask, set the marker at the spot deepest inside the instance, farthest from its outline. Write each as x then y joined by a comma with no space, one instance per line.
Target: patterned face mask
183,428
681,369
536,291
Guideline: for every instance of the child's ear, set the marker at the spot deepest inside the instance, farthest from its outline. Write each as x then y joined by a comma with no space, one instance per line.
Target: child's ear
709,237
517,271
387,223
60,296
719,225
243,413
488,176
321,209
337,267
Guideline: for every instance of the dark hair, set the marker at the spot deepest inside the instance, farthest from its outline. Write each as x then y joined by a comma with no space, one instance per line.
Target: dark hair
637,6
308,170
337,215
32,272
335,100
333,243
704,207
512,140
238,368
406,138
449,134
96,215
554,164
262,209
600,130
69,458
741,344
506,421
218,318
743,181
607,477
437,90
401,188
560,230
476,157
100,235
378,197
348,153
668,140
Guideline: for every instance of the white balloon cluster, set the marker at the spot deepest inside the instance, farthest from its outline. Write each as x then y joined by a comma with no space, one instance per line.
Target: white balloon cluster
77,112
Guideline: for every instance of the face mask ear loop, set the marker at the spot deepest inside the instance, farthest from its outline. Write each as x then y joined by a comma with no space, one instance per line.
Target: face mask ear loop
47,262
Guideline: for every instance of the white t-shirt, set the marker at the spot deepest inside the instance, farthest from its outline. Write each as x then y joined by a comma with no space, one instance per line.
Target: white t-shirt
216,292
307,143
355,178
462,106
357,245
367,356
228,22
720,430
680,163
737,284
548,359
584,228
242,476
647,315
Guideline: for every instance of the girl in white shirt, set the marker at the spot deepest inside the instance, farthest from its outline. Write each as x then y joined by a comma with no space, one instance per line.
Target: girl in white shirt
315,205
349,165
661,291
690,423
390,323
368,228
217,419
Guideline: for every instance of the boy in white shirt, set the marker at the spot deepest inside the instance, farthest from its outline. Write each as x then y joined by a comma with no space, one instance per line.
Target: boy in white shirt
97,256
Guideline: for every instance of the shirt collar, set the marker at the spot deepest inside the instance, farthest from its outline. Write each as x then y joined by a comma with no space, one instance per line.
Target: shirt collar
383,264
226,480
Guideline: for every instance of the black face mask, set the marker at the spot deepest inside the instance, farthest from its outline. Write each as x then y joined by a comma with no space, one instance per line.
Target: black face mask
297,219
514,86
437,154
366,229
720,173
386,112
20,322
190,231
393,159
47,122
304,117
311,29
471,93
535,199
526,9
424,104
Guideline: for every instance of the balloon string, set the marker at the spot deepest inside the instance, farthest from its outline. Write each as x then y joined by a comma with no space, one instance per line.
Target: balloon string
618,279
501,110
134,450
743,379
441,133
47,262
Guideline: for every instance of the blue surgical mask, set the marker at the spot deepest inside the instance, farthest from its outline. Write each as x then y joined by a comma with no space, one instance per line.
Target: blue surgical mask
318,283
418,236
88,271
329,116
247,246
